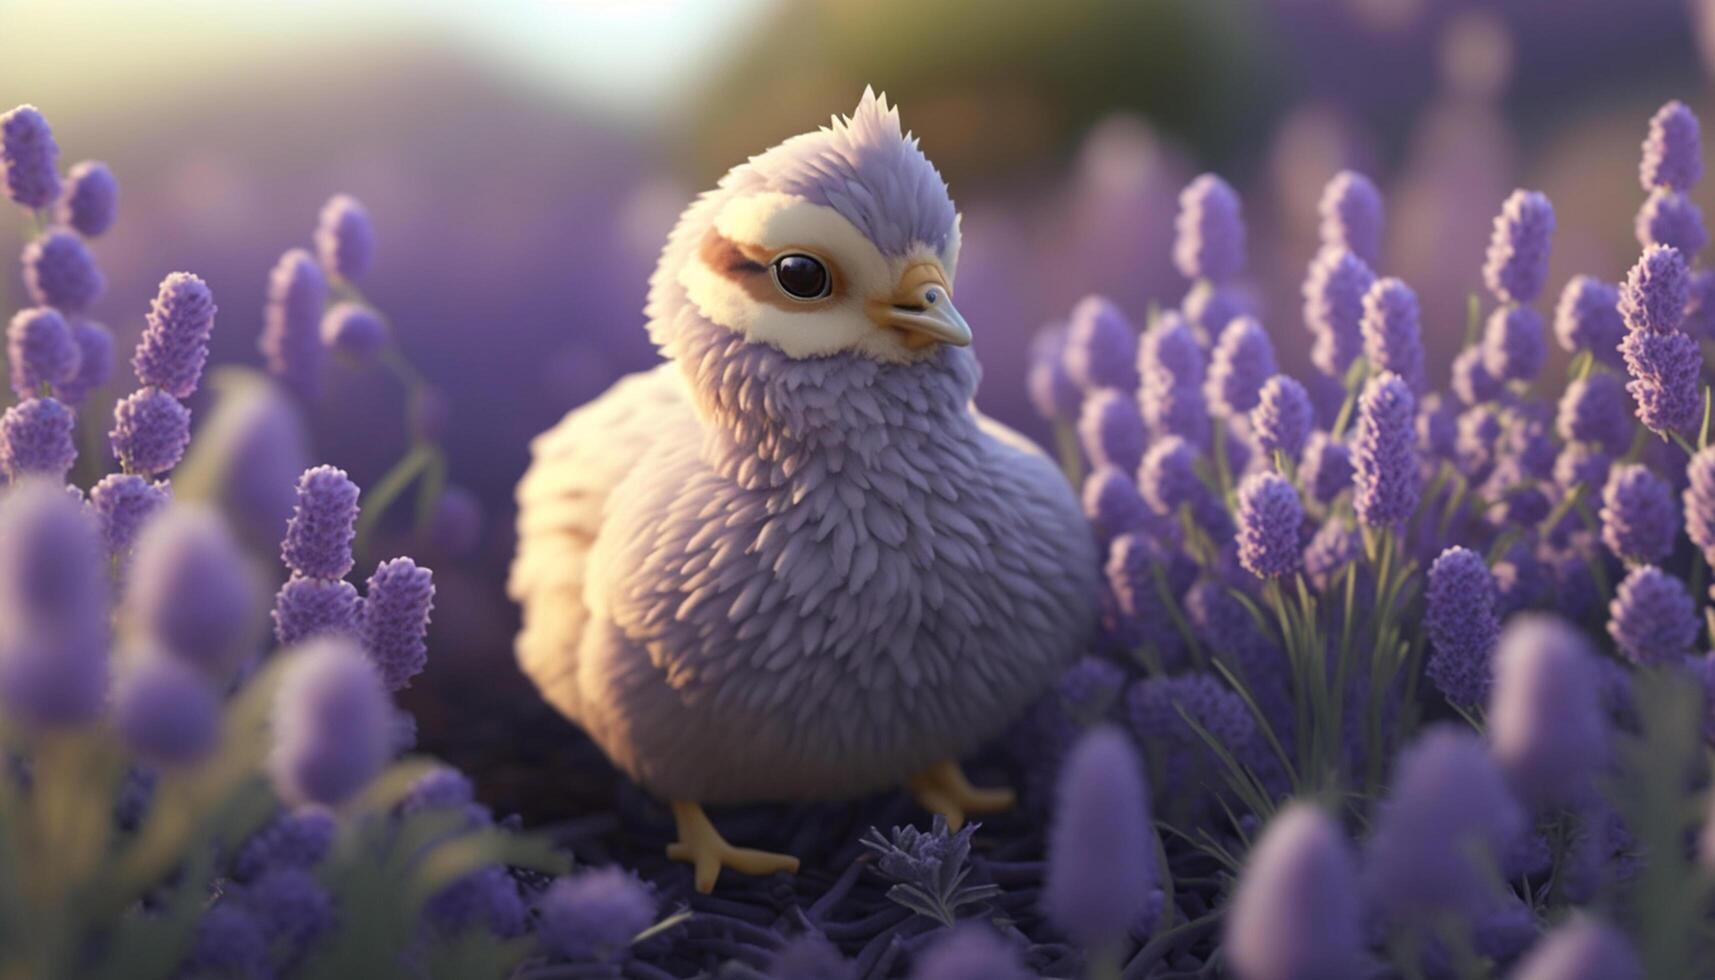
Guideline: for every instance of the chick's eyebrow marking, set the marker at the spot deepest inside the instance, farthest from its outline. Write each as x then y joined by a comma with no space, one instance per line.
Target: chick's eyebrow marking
747,265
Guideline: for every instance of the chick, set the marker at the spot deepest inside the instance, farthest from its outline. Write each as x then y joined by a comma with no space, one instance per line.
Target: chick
794,562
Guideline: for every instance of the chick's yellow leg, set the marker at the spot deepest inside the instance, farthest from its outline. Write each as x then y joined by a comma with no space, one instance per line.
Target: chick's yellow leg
703,847
943,789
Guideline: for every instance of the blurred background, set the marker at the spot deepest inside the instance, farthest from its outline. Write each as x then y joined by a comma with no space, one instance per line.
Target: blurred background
524,161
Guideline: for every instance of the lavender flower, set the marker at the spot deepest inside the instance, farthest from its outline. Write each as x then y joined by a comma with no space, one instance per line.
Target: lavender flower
92,199
1517,262
29,158
1157,708
151,430
1101,346
1673,150
291,326
1295,914
1547,726
355,331
1101,859
1462,626
1282,417
1242,360
1170,362
166,711
1655,292
124,502
1581,464
1334,291
1384,459
396,620
1582,949
1335,545
331,724
1351,213
37,436
1131,569
1671,218
192,592
1472,381
1699,319
345,238
1168,477
969,952
1699,499
228,942
1448,816
1587,318
809,956
1210,239
53,608
1652,618
298,838
1209,307
455,527
312,607
1269,516
291,906
1480,431
1639,519
594,914
41,350
1326,467
319,535
1053,393
1392,339
1112,502
1438,427
1112,429
1595,409
60,272
1665,370
174,346
94,344
1513,345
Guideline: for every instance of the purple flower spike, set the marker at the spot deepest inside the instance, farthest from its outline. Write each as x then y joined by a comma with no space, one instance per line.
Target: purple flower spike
1130,570
1517,261
1472,382
1336,545
192,593
38,436
92,199
1462,626
53,602
1210,307
299,838
124,502
1168,477
1112,502
395,625
1699,319
174,345
319,535
1351,212
1671,218
1210,231
1448,818
1171,363
310,607
1547,726
594,914
1655,292
1296,914
1513,343
291,326
1581,464
1652,618
1699,501
1384,457
1282,417
1334,292
1639,519
94,363
1112,430
229,942
1101,346
1588,318
1665,370
1438,427
354,330
29,157
1582,949
41,350
1053,393
332,724
59,272
970,952
1242,360
1673,150
345,237
1392,336
1326,467
166,711
1595,409
1101,856
1269,516
151,430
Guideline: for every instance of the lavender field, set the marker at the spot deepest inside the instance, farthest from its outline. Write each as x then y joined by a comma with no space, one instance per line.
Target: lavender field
1301,533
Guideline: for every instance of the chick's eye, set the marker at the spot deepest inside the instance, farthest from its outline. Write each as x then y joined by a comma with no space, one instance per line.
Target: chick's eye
802,276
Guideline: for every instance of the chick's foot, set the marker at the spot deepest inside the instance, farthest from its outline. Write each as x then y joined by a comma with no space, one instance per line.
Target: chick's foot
943,789
703,847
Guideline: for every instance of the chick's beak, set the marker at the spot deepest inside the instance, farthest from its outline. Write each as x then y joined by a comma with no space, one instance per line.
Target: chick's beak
922,309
